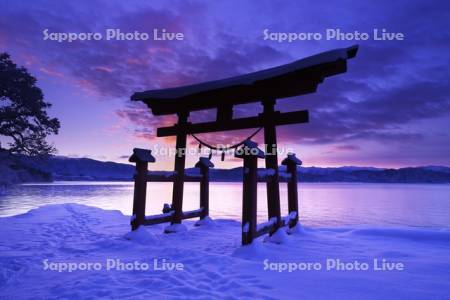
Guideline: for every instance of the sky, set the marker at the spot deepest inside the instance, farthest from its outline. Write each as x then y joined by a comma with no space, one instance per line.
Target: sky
391,108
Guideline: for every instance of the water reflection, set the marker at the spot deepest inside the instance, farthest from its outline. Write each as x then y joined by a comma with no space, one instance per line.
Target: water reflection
327,204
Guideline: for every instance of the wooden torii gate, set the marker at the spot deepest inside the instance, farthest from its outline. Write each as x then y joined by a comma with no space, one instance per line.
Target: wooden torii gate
266,86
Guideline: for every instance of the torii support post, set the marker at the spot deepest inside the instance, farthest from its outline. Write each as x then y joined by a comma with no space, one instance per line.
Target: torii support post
291,162
250,153
141,157
270,139
204,164
180,159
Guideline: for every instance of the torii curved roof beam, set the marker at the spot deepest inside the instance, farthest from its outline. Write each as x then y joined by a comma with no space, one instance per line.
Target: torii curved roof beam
293,79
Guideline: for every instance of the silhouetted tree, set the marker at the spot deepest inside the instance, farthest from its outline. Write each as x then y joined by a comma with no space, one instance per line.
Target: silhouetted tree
23,115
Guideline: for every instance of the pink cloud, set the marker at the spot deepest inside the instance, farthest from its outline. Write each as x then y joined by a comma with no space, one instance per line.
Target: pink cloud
51,72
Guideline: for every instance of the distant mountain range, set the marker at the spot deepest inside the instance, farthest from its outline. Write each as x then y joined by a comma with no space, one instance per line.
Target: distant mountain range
431,174
18,169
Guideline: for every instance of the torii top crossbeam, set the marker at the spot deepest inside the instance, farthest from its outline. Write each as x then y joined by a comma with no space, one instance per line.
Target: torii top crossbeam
296,78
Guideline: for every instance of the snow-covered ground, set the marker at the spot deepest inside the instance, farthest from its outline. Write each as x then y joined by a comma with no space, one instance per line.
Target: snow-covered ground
37,248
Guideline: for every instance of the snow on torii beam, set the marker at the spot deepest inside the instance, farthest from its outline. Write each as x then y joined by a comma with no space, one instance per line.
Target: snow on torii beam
297,78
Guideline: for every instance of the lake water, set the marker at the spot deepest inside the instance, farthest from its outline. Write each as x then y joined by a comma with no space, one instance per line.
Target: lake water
321,204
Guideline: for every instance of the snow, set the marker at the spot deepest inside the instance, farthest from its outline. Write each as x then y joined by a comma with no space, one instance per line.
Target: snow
207,221
246,228
279,237
175,228
297,229
292,215
208,262
141,236
266,224
253,251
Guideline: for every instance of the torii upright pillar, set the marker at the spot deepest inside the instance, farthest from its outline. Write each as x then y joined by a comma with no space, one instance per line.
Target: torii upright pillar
270,139
180,159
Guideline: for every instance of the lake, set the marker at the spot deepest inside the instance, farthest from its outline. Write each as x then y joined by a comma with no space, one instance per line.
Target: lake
321,204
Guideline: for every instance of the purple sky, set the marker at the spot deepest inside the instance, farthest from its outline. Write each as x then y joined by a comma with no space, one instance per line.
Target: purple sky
391,109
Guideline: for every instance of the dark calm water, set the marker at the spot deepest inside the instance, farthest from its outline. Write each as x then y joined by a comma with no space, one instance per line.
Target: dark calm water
321,204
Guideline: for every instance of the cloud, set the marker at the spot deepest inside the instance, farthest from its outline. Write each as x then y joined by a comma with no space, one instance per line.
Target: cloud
389,86
347,147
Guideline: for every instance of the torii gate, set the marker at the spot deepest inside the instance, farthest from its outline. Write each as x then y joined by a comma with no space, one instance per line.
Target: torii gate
266,86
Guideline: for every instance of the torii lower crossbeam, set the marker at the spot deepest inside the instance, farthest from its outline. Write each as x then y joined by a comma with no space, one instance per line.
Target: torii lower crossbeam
277,118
